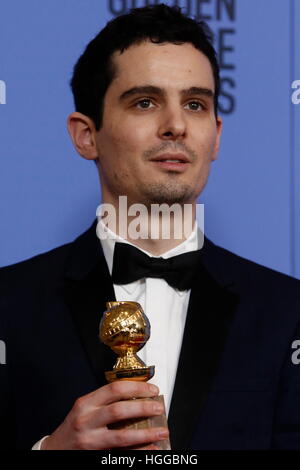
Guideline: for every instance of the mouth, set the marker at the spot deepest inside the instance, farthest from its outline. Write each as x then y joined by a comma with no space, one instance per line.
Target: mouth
174,162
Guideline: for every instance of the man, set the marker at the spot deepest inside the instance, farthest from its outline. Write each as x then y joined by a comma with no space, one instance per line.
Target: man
146,93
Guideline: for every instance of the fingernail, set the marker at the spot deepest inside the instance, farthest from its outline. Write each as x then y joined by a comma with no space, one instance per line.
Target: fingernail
153,389
158,408
163,434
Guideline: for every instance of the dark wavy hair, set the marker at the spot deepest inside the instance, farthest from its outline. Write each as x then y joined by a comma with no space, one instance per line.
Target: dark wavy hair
94,71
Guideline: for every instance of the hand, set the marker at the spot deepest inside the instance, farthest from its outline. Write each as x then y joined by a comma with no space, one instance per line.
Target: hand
85,427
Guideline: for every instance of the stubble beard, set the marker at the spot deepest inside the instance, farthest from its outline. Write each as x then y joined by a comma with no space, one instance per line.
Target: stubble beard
170,193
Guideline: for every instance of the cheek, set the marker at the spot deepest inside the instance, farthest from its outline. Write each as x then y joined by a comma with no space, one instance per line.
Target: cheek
127,139
122,152
206,145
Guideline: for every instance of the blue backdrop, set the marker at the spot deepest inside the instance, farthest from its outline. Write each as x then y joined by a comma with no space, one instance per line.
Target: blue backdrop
48,194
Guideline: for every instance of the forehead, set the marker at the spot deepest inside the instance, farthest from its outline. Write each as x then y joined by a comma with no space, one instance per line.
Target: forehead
165,65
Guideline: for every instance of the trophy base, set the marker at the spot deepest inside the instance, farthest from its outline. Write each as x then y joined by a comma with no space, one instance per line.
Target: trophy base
141,375
144,423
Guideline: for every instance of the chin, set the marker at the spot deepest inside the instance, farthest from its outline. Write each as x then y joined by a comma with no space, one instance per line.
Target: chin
167,194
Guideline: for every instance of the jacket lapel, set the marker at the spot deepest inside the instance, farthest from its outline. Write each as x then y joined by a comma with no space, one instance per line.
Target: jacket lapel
209,316
88,287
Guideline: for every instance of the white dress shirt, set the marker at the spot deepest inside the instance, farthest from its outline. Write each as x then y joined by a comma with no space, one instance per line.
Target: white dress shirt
165,307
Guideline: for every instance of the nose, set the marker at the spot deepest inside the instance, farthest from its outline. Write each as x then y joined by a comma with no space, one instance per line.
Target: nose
172,124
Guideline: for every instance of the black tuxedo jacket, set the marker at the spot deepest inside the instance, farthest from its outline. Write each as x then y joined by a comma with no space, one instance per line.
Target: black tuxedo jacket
238,380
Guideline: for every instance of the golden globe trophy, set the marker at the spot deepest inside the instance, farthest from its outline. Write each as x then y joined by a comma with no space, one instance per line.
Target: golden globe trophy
125,328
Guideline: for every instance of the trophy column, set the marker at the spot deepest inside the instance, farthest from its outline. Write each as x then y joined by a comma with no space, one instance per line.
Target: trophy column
125,329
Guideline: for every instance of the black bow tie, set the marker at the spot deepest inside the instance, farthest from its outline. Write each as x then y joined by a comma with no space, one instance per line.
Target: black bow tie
131,264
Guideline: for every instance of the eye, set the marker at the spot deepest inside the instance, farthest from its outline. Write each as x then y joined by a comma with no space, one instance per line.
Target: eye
194,105
145,103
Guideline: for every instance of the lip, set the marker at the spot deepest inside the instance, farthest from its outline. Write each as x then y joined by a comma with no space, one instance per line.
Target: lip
178,166
171,156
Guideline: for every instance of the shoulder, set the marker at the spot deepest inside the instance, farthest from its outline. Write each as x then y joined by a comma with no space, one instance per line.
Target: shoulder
263,295
266,302
51,264
230,267
36,267
24,287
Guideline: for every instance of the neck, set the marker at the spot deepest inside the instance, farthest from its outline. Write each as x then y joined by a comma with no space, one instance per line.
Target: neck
156,229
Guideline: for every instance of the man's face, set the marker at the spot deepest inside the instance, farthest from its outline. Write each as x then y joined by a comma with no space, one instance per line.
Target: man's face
159,132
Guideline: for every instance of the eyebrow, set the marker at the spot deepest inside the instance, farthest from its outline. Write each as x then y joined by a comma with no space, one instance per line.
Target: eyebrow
150,89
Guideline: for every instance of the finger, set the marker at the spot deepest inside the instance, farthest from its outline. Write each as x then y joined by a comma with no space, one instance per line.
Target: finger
121,390
123,410
132,437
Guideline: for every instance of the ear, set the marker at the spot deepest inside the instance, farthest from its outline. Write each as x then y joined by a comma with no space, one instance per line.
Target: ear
82,132
218,138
